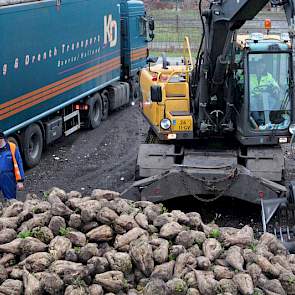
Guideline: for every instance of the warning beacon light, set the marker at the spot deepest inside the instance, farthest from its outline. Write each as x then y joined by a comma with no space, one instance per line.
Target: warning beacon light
267,24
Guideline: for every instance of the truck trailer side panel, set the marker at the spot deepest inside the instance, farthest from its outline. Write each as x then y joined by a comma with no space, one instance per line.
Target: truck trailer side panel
52,55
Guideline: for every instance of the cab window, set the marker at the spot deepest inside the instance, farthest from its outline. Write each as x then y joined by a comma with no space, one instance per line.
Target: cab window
142,26
269,94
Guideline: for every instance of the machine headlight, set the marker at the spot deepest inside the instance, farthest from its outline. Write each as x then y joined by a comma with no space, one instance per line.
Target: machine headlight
292,129
166,124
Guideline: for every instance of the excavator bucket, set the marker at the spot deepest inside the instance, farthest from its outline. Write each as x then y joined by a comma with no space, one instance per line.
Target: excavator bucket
207,175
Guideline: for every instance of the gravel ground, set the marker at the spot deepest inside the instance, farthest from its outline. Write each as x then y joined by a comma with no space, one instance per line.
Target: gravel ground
105,158
89,159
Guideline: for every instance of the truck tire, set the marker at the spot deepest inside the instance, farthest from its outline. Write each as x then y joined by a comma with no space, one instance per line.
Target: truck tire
105,105
32,145
95,111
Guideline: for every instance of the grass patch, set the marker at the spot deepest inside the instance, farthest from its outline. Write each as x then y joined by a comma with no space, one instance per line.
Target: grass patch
168,53
25,234
172,257
64,231
215,233
172,34
38,234
253,247
77,250
79,282
172,13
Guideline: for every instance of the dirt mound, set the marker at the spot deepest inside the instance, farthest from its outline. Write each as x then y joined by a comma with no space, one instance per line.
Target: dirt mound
102,244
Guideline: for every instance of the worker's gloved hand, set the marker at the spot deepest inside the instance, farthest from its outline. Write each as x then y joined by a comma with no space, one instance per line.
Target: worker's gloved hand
20,186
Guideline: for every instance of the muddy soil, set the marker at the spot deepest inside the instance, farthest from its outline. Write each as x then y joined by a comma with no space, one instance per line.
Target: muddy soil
105,158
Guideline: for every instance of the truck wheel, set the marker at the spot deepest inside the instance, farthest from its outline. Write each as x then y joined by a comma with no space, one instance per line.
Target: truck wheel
32,145
95,111
105,105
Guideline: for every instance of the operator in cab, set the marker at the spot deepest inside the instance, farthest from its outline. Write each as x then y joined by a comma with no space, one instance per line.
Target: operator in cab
262,80
267,104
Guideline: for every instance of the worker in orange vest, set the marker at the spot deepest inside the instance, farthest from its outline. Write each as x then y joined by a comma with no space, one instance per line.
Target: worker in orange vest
11,168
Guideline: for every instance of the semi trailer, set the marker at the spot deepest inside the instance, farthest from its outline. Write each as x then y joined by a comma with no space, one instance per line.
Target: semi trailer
66,64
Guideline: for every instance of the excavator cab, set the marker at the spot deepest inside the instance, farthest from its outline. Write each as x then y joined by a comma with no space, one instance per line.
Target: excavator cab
265,77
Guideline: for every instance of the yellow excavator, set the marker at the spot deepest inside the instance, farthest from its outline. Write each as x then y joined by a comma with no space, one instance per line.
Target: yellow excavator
224,126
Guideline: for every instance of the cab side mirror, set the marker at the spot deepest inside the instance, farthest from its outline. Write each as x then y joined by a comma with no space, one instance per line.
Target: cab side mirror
156,93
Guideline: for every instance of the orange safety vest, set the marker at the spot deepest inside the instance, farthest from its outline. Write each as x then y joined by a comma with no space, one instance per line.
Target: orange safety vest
15,165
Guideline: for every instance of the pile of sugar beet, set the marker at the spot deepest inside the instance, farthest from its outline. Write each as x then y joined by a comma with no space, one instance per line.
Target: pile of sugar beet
64,243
